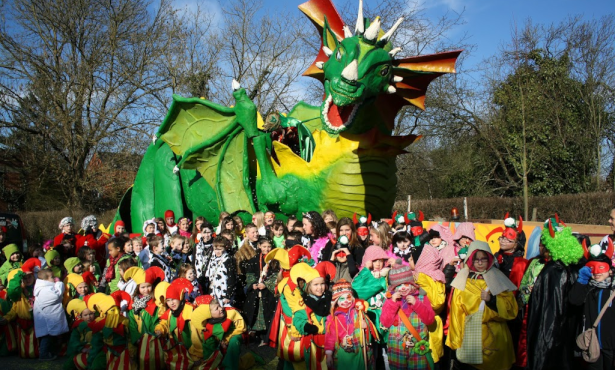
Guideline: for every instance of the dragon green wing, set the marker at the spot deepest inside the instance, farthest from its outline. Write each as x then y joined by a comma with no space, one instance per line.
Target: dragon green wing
207,137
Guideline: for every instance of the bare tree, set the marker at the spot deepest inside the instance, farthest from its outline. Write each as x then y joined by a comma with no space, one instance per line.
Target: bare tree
77,76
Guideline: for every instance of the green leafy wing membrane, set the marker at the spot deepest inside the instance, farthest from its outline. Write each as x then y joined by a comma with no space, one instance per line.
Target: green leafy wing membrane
212,142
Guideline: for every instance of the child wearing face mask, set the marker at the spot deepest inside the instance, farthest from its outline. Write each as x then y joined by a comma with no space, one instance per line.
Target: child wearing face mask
407,314
144,316
349,332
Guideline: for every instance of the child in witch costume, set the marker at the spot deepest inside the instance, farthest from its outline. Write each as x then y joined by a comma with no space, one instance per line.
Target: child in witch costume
80,341
309,318
592,290
109,336
20,292
261,279
13,261
407,314
552,323
349,332
144,317
219,330
482,340
175,324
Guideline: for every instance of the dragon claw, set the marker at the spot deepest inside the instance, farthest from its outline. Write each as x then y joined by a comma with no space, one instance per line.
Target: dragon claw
154,138
175,170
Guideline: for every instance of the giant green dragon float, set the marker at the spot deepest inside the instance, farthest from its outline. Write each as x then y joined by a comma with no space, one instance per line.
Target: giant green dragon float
207,158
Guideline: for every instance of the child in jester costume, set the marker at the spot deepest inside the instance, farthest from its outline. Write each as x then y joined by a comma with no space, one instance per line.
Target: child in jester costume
109,336
21,295
282,328
219,331
8,340
552,323
175,324
80,341
309,316
143,318
349,332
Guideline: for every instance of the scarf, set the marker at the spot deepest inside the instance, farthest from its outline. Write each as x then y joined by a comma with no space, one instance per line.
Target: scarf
140,303
604,284
180,309
110,273
321,306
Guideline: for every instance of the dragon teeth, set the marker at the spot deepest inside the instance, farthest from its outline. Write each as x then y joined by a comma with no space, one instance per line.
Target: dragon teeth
348,123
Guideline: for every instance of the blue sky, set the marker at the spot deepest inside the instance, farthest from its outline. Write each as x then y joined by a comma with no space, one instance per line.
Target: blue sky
488,22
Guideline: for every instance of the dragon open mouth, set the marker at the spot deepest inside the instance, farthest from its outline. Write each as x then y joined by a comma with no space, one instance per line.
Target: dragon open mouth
338,118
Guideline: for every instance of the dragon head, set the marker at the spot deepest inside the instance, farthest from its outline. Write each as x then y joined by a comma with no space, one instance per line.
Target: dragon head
360,69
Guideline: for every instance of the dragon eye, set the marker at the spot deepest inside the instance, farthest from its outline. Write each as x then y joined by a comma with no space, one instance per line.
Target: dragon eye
384,71
338,55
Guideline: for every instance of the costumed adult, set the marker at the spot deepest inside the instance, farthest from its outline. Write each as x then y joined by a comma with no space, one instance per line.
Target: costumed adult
552,321
482,341
67,240
93,238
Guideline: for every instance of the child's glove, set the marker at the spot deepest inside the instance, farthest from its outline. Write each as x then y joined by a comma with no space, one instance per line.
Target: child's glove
310,329
585,274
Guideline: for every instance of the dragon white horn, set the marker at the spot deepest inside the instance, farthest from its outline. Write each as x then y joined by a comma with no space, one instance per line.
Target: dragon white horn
387,36
319,65
394,52
327,51
351,72
236,85
347,32
360,28
397,79
391,90
372,31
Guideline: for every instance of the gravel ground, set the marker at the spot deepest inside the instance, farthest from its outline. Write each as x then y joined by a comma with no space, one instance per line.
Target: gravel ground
14,362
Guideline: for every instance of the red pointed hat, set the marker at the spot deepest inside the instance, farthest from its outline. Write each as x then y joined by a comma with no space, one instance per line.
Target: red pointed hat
88,277
119,296
178,288
154,275
326,270
31,266
203,299
296,253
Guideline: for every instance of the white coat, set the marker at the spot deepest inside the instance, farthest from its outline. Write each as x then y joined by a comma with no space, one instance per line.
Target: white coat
49,315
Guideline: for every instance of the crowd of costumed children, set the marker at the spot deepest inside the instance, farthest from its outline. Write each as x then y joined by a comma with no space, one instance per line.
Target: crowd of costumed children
325,293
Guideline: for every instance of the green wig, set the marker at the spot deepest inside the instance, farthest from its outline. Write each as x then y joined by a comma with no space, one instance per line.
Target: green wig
563,247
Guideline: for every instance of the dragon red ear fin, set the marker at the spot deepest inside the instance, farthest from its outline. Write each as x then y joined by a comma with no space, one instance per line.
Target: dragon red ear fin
354,218
369,218
507,215
585,251
609,249
551,231
520,226
394,215
421,216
